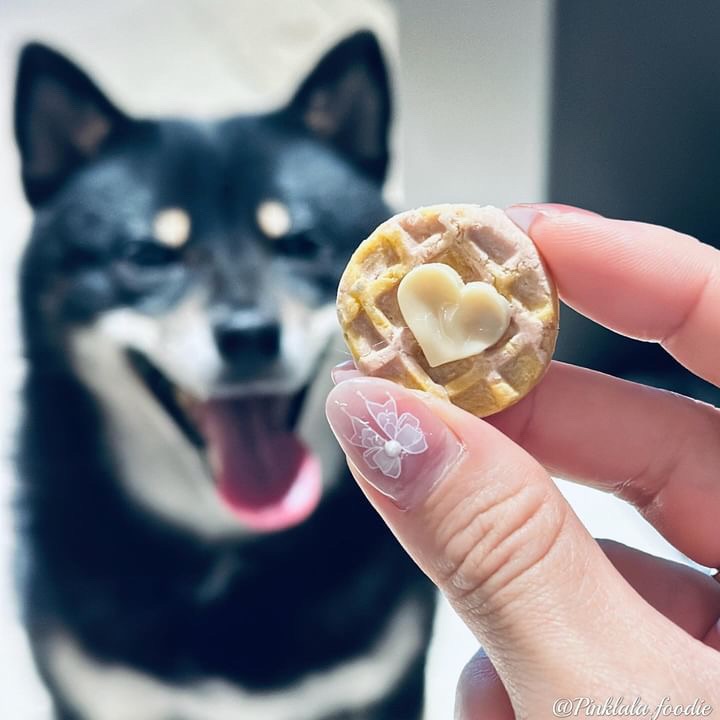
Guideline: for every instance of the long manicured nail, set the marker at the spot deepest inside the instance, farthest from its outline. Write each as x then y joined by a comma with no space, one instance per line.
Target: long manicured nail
524,214
344,371
391,436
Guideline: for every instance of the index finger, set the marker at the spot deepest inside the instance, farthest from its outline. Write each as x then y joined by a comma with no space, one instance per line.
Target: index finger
641,280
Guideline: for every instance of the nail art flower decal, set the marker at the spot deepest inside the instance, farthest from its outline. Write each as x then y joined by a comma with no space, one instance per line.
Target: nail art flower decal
398,437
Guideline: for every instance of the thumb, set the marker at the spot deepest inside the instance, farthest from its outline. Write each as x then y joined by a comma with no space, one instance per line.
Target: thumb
486,523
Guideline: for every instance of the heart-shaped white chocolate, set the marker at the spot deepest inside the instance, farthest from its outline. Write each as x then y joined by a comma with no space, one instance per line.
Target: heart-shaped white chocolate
449,319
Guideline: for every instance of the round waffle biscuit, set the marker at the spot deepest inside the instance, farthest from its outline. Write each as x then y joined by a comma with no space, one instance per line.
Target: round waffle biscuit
480,244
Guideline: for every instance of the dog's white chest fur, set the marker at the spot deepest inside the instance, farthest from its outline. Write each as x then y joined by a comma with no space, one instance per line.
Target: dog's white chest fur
116,692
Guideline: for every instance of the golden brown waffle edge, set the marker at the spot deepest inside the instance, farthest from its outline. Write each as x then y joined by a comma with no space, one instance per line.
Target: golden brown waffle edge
480,243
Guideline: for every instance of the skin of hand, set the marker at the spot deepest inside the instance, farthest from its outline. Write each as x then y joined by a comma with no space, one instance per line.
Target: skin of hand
557,613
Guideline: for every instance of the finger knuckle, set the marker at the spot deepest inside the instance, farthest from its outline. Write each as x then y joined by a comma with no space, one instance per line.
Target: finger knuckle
492,543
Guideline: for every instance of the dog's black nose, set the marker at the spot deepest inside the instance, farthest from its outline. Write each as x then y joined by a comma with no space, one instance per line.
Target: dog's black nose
248,342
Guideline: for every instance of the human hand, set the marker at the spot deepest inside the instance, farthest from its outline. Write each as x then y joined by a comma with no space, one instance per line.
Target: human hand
558,615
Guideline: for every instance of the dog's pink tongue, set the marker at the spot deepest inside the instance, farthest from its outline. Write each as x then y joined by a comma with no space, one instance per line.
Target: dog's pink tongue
265,473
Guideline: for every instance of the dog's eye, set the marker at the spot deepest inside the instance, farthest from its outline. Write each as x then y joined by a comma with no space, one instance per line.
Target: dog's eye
148,253
273,219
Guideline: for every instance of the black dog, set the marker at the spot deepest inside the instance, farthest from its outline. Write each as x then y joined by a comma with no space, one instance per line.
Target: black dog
194,549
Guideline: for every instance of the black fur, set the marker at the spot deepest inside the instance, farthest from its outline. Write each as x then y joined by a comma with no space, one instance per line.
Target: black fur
125,584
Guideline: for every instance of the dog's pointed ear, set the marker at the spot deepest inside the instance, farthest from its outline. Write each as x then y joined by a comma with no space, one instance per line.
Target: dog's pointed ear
346,101
62,120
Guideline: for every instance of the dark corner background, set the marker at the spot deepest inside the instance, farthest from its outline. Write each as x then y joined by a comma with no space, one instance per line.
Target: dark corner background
635,133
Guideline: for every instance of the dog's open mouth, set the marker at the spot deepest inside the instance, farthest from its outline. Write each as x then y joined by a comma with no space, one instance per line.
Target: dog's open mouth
261,468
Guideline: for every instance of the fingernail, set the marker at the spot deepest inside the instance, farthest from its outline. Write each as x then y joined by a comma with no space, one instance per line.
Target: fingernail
391,436
344,371
524,214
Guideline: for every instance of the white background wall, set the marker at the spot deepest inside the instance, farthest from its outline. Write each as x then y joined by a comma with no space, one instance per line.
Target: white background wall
474,99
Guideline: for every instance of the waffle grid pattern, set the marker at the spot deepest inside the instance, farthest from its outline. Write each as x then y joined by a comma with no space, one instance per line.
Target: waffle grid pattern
480,244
